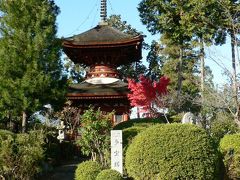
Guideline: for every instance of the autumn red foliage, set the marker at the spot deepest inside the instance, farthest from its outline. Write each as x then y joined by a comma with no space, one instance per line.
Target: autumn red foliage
145,93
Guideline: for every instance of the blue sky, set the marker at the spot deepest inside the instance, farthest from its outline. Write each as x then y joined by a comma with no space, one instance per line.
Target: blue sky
78,16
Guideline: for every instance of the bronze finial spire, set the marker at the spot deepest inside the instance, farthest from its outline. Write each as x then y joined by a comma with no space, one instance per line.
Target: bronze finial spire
103,11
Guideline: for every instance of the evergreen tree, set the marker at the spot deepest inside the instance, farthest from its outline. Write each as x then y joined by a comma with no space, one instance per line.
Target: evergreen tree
75,72
30,65
183,25
132,70
155,60
230,24
189,78
117,22
165,17
201,23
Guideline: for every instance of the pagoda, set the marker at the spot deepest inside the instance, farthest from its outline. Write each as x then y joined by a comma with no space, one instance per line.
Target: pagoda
102,49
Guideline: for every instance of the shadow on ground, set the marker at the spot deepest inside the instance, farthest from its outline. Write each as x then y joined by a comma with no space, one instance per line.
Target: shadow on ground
63,172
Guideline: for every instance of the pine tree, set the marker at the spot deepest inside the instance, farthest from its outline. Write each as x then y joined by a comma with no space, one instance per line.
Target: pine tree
165,17
230,23
30,65
132,70
156,61
189,79
183,26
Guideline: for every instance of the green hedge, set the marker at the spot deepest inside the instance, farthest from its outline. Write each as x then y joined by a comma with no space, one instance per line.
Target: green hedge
130,133
143,122
21,155
172,151
230,148
87,170
5,133
221,125
109,174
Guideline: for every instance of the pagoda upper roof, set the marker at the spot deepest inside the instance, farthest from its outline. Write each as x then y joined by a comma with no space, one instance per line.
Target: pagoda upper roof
101,35
103,44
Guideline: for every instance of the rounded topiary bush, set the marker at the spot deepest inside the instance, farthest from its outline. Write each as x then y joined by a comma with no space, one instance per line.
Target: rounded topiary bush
230,148
130,133
142,122
109,174
223,124
87,170
172,151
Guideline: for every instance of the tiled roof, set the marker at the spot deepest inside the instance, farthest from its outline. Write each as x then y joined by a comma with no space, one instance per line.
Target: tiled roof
100,34
86,89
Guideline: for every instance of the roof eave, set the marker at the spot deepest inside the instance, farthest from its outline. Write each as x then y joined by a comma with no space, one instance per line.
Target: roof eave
72,44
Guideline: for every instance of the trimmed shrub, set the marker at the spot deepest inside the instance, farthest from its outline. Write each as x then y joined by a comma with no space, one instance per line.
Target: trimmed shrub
131,129
30,154
177,118
87,170
7,157
221,125
230,148
129,134
5,133
109,174
21,156
172,151
143,122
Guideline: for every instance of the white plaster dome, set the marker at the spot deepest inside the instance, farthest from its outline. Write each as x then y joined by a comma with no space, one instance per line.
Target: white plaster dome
102,80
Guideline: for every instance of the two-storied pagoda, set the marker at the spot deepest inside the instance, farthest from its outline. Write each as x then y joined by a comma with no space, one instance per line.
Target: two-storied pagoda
103,49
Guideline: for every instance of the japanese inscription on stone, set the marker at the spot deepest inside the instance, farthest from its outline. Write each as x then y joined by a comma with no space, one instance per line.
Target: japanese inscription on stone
116,151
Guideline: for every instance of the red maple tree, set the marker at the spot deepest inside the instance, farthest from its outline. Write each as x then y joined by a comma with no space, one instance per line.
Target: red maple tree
148,94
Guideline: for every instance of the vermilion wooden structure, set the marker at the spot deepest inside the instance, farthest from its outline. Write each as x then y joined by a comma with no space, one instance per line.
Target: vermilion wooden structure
103,49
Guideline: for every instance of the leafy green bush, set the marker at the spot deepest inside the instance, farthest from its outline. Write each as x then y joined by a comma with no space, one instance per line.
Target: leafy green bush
87,170
30,153
177,118
172,151
109,174
95,134
143,122
221,125
56,152
21,156
7,156
230,148
128,135
5,133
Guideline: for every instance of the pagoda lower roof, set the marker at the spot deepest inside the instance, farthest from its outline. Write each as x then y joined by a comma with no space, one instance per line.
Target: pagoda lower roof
85,90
